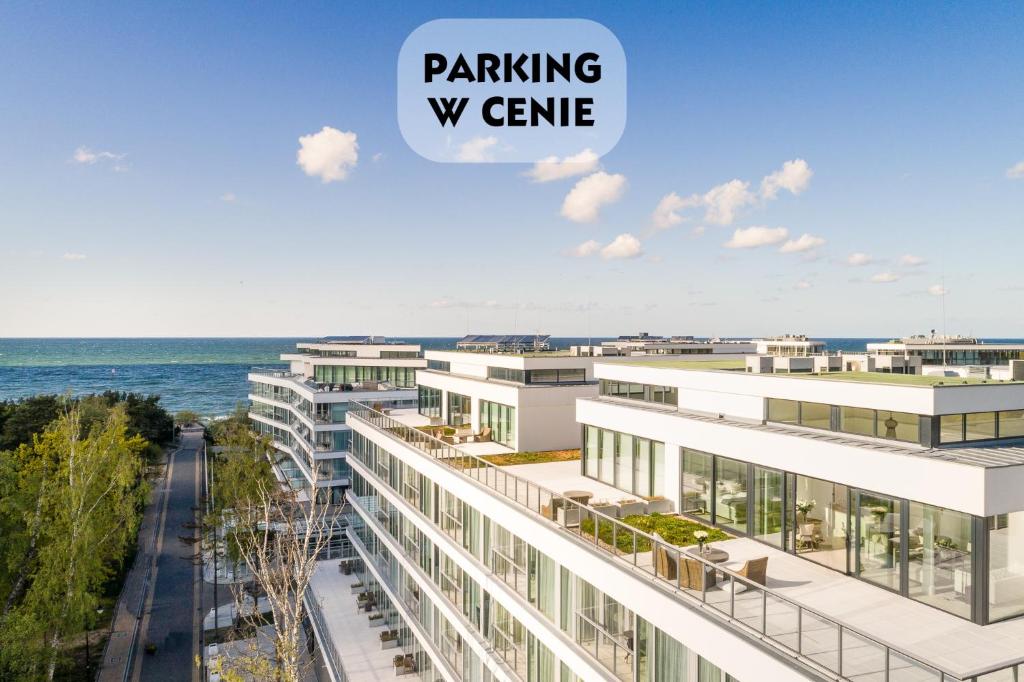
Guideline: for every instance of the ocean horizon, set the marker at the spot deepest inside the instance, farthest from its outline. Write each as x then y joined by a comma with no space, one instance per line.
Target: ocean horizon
207,375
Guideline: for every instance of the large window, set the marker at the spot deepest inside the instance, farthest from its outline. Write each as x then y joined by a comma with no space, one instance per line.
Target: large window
866,422
501,420
506,374
878,539
402,377
575,375
821,520
731,493
957,428
697,479
663,395
633,464
429,401
459,409
939,558
768,504
1005,565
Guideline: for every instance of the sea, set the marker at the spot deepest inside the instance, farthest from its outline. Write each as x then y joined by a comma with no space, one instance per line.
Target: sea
207,375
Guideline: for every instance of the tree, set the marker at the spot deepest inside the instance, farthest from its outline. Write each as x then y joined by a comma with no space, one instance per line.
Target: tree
185,417
27,417
277,534
88,505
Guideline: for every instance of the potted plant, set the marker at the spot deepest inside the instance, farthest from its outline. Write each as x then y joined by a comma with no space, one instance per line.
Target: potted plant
357,587
701,537
398,660
804,508
389,639
376,619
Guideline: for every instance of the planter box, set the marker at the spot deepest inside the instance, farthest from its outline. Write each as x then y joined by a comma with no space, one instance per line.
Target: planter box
389,643
376,622
357,589
662,506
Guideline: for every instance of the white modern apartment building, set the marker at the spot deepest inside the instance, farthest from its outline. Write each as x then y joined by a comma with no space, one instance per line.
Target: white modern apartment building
789,345
889,508
645,344
303,408
863,527
941,350
523,401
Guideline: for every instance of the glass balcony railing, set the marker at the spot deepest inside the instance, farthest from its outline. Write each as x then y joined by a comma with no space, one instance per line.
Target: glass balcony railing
819,641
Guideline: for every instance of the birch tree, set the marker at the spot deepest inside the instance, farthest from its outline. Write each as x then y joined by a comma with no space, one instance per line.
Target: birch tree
91,506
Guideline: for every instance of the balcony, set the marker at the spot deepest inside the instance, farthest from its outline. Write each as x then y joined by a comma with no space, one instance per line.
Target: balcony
834,624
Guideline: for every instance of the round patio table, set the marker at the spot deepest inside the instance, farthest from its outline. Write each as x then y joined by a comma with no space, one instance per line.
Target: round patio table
715,556
579,496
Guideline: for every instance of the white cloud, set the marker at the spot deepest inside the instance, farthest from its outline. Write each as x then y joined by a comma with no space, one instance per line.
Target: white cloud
804,242
552,168
73,256
937,290
885,278
857,259
911,261
794,176
477,150
698,230
88,157
753,237
1016,171
666,213
623,246
329,154
584,201
228,197
587,248
802,284
725,200
378,157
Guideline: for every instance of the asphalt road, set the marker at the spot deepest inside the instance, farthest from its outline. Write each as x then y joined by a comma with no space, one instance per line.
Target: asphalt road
169,621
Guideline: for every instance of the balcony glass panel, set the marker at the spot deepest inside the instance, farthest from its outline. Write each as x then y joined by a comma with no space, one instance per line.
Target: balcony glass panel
939,558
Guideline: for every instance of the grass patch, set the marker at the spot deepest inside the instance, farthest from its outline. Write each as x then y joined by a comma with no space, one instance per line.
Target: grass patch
895,379
689,364
674,529
514,458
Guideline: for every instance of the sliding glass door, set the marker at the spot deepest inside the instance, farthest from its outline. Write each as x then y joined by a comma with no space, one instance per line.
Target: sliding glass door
878,539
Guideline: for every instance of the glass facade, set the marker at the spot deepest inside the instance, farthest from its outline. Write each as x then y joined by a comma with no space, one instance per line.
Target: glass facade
664,395
460,408
429,401
501,419
920,551
886,424
402,377
633,464
958,428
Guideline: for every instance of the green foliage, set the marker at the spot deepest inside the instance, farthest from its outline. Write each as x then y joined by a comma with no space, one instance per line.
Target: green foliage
186,417
70,505
240,466
675,530
26,417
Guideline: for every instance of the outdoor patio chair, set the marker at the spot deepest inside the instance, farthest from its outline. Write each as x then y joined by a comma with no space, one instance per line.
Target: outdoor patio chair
664,564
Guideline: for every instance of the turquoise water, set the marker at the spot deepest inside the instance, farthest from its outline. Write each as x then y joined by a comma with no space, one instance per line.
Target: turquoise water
206,375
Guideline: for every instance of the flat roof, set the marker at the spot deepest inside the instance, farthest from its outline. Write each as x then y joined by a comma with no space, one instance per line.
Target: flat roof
703,365
1008,453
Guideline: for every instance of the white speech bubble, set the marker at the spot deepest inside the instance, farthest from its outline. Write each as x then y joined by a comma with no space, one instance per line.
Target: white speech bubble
547,89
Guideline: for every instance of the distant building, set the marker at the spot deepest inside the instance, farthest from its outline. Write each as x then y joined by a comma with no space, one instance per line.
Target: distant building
504,343
645,344
936,349
789,345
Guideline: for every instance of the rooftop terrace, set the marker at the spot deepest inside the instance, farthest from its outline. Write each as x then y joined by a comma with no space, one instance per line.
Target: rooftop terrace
822,617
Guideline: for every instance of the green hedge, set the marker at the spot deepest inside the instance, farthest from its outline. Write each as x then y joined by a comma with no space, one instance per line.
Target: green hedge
674,529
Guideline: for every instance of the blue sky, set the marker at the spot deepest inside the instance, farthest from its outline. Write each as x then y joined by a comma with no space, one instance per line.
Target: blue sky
908,117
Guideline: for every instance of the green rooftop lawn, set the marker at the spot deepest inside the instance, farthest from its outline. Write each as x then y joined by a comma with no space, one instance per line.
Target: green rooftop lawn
674,529
514,458
893,379
687,364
